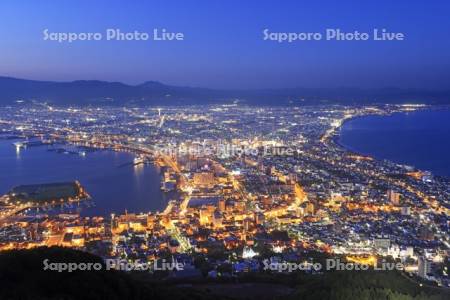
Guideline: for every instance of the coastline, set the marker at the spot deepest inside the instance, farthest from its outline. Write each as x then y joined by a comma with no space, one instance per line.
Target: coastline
106,196
336,138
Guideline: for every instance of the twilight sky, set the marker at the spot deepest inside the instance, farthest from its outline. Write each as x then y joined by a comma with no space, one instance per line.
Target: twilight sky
223,45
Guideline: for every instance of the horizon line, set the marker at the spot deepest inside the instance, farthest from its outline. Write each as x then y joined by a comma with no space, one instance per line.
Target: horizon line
223,89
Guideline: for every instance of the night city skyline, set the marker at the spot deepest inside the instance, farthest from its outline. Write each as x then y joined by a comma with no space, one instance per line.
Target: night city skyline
225,149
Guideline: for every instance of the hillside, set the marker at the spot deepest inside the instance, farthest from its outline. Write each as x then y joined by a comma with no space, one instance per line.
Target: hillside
94,92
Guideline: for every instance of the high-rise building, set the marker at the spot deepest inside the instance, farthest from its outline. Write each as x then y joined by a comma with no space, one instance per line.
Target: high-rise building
217,219
247,223
222,205
424,267
393,197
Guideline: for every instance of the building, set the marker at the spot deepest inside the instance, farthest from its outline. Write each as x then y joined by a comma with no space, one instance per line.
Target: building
259,218
204,179
217,219
424,267
405,210
426,233
222,205
393,197
381,242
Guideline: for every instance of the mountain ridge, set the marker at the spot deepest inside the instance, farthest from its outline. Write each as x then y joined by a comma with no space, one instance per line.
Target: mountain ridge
98,92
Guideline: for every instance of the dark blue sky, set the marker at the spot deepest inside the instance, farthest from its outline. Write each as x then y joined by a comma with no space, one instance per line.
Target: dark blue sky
224,47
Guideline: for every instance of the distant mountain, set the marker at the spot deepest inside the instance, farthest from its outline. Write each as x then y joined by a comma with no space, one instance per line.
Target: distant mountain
95,92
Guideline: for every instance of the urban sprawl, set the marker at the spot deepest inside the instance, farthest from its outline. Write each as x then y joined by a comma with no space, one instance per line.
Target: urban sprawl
253,188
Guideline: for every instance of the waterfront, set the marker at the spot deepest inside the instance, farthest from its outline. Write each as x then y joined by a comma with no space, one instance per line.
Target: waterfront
109,177
419,138
323,199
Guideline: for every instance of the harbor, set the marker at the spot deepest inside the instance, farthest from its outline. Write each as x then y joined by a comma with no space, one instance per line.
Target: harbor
116,181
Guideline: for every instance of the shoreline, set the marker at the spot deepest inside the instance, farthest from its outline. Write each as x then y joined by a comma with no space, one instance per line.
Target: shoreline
98,203
337,134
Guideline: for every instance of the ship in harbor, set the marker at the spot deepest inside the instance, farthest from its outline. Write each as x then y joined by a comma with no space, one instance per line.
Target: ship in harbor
27,144
69,150
142,159
138,160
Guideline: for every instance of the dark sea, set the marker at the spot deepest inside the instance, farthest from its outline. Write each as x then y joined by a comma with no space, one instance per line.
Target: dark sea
111,179
419,138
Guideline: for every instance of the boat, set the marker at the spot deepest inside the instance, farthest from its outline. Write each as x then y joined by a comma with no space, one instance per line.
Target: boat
138,160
